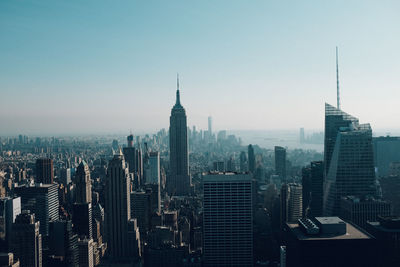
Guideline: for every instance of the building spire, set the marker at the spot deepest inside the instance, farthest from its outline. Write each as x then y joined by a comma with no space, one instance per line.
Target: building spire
337,80
178,100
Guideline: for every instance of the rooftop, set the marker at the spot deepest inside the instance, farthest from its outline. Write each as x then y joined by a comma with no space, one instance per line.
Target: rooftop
351,232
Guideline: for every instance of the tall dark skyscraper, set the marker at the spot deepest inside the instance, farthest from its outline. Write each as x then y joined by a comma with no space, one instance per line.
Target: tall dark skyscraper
313,184
118,212
179,180
280,162
26,240
44,171
83,184
252,159
349,159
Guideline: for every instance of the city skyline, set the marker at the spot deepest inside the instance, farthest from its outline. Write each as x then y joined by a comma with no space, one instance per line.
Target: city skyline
69,68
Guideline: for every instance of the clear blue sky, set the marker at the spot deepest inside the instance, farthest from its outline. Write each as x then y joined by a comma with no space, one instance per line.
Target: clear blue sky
110,66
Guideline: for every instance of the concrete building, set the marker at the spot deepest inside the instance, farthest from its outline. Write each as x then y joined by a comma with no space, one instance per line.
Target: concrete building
85,248
41,199
44,171
227,220
360,211
251,159
26,240
83,191
291,203
9,209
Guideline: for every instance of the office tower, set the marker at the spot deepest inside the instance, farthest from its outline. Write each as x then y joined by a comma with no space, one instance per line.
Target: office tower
243,162
291,203
130,140
83,183
26,240
390,186
41,199
115,145
280,162
133,236
44,171
386,151
63,242
252,159
349,155
386,230
9,209
85,248
231,165
134,159
65,176
154,164
359,211
141,209
328,241
313,184
82,219
117,209
302,136
210,126
155,195
179,179
227,198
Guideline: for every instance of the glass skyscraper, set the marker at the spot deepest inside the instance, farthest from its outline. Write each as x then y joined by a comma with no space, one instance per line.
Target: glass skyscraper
349,168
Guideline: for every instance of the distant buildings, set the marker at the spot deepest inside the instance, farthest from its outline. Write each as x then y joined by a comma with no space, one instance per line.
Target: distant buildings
280,162
251,159
227,220
179,178
349,160
386,152
44,171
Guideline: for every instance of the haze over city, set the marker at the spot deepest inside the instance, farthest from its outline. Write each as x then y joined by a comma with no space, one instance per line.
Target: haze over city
69,67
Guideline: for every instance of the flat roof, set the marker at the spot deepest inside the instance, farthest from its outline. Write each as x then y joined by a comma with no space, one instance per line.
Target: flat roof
226,177
329,220
351,233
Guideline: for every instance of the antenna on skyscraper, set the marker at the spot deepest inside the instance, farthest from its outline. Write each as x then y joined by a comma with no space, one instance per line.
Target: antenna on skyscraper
337,79
177,81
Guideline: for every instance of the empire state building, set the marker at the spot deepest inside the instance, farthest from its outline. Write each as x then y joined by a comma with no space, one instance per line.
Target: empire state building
179,179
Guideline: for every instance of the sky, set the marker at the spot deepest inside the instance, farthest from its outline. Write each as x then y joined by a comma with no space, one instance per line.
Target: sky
110,66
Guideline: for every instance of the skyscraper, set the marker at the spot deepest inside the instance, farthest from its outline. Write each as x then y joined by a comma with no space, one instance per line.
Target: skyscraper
83,184
313,184
280,162
44,171
210,127
26,240
179,180
9,209
227,220
291,203
41,199
349,159
252,159
117,209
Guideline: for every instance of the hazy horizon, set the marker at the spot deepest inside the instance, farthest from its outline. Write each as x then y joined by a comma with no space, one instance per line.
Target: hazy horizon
101,67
